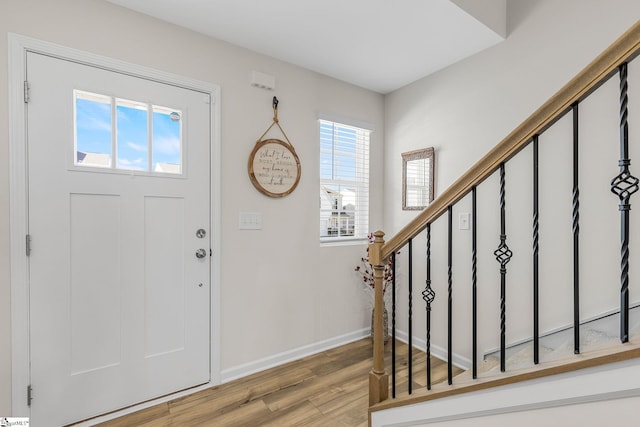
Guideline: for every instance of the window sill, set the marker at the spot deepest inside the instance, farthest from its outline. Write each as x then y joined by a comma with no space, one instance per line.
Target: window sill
343,241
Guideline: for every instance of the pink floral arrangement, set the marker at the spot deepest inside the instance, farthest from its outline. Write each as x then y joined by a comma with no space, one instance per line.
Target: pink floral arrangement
367,271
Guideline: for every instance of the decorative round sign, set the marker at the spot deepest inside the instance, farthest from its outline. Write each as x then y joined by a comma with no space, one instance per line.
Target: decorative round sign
274,167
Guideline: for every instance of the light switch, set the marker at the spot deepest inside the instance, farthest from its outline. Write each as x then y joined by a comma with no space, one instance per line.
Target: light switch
250,221
463,221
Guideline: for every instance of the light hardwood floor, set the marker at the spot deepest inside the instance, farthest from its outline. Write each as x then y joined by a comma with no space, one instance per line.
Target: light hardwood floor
326,389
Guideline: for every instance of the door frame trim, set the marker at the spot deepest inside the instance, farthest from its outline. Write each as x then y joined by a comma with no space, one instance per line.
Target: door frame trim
18,198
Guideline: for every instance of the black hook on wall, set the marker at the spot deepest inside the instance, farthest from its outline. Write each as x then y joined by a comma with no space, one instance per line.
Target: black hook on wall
275,109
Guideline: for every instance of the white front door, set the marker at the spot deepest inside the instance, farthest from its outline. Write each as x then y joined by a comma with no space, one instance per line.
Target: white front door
119,205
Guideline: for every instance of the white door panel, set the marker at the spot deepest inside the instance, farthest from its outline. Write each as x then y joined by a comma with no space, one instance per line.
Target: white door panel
119,303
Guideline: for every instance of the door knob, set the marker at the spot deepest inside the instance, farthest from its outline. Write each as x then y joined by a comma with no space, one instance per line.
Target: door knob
201,253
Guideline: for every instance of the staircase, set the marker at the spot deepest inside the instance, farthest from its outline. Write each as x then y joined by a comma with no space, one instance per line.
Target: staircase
596,336
604,346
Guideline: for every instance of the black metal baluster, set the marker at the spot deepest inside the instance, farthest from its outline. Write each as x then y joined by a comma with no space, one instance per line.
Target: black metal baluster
410,349
474,282
536,294
576,236
503,255
428,295
624,185
450,303
393,325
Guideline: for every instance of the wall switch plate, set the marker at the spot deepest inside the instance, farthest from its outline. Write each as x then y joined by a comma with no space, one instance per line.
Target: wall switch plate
250,221
463,221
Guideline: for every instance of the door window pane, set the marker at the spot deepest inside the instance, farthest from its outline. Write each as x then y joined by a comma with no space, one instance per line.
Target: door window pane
133,135
92,130
166,143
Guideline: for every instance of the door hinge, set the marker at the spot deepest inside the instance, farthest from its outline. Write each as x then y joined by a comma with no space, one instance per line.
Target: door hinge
28,244
26,92
29,395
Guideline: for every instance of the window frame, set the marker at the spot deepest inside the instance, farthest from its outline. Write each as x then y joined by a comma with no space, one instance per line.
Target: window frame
360,183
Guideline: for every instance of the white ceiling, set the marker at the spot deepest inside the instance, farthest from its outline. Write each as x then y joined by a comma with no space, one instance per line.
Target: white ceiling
380,45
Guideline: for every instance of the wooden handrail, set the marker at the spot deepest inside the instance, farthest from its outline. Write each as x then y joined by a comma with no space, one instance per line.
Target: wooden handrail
585,82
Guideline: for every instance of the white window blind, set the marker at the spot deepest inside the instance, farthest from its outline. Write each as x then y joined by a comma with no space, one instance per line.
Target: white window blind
344,182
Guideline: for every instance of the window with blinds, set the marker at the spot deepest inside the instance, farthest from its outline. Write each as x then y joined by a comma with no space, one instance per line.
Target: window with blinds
344,182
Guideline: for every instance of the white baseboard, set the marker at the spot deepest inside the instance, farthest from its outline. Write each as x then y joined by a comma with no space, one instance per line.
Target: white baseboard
290,355
439,352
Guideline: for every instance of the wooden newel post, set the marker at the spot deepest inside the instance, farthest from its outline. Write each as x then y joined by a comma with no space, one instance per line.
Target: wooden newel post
378,378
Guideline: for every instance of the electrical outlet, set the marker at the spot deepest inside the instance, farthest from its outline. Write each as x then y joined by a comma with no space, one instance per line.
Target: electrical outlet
463,221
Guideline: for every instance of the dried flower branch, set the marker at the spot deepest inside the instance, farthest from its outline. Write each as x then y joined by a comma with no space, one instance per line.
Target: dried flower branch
366,270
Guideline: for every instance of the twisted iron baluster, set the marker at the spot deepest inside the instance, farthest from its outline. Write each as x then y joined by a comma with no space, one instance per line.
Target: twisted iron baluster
624,185
536,226
428,295
576,236
503,255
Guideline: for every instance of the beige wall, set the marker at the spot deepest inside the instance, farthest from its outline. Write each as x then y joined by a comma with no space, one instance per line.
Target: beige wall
467,108
279,289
